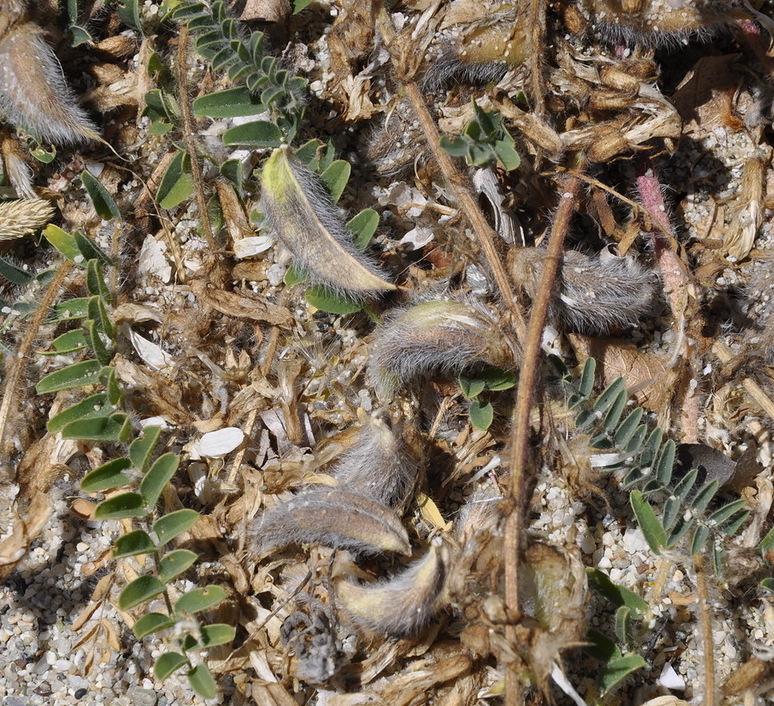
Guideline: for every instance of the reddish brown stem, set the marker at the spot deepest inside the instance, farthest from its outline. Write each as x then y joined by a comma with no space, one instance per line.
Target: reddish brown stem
520,429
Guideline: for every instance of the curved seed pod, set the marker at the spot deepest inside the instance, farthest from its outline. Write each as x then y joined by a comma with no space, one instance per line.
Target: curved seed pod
33,92
379,466
595,295
660,23
401,605
333,518
434,337
300,211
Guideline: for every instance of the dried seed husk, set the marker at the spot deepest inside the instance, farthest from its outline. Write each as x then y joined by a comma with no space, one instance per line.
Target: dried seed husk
20,218
301,213
332,518
435,337
401,605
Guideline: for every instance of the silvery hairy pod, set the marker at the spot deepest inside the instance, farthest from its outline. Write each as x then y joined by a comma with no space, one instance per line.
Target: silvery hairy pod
333,518
666,22
435,337
382,464
402,604
594,295
34,94
301,213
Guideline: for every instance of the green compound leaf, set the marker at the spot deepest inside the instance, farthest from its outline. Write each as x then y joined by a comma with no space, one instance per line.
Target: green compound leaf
231,103
497,379
177,184
15,275
132,543
63,242
95,280
616,670
95,342
617,595
217,634
363,227
117,427
108,476
767,584
335,178
140,450
69,342
175,563
481,414
651,527
470,387
89,250
167,664
93,406
700,537
259,133
139,591
199,599
202,682
158,476
322,298
150,623
173,524
76,375
104,204
121,506
299,5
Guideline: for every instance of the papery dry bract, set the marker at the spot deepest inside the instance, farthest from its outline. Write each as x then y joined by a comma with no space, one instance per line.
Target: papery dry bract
401,605
595,295
300,211
333,518
435,337
34,94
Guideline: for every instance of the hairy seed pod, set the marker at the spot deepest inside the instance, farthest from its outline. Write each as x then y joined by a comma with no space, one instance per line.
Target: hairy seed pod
596,295
436,337
332,518
379,466
401,605
33,92
492,38
666,22
302,214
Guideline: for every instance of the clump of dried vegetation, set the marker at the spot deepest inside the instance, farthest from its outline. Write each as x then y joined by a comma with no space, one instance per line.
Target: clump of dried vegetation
345,297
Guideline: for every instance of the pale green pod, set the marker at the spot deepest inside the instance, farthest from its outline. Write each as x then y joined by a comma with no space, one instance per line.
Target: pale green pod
301,213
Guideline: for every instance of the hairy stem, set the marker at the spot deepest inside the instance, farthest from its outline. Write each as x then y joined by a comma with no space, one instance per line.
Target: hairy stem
520,428
460,186
705,621
9,408
190,142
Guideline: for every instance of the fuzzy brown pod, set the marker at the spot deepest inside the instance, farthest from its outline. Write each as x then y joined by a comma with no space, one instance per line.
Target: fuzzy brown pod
301,213
403,604
666,23
332,518
435,338
34,94
594,295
